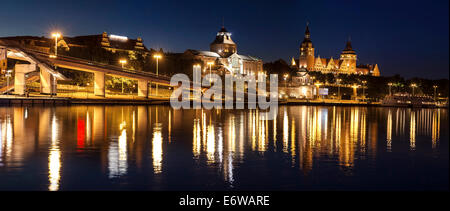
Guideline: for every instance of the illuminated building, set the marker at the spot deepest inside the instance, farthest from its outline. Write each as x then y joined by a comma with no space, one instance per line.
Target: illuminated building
299,85
223,54
112,43
347,63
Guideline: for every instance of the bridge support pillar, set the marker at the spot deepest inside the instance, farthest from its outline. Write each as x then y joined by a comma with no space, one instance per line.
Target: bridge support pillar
142,88
47,82
19,77
99,84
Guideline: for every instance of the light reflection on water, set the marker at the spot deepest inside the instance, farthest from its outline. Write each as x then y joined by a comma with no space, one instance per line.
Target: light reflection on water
126,147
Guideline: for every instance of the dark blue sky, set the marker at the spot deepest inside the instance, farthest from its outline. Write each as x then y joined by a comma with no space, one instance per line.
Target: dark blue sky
410,38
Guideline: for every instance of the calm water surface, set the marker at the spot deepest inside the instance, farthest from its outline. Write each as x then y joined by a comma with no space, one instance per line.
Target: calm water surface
158,148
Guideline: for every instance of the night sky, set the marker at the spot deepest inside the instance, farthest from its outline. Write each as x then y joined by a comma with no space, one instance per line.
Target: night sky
410,38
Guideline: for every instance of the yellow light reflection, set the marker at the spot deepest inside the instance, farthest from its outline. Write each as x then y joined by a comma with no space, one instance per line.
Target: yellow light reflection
157,148
389,132
54,158
293,140
196,138
412,131
435,128
210,142
285,131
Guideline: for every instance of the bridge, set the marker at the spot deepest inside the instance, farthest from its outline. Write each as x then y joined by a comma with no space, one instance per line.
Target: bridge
47,66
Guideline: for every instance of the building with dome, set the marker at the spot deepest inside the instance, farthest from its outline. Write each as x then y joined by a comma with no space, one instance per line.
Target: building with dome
346,63
222,57
300,85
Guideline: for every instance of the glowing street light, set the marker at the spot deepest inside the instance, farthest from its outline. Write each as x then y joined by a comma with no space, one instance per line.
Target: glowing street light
338,81
414,87
317,88
390,86
435,87
355,91
157,57
56,35
285,76
363,88
122,62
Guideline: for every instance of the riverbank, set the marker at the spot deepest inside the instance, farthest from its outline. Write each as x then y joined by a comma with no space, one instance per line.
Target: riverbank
49,100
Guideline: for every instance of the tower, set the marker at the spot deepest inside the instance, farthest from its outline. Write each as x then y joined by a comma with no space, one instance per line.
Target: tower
348,58
306,51
105,40
223,44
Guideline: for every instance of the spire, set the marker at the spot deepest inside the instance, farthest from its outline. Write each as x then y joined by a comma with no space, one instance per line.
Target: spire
307,34
348,46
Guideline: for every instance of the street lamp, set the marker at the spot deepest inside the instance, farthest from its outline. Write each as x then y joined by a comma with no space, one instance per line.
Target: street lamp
285,76
435,87
157,57
122,62
355,91
56,35
317,89
413,88
338,81
363,88
390,86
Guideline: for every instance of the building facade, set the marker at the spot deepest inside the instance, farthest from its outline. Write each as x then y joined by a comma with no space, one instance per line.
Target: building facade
223,57
346,63
113,43
300,86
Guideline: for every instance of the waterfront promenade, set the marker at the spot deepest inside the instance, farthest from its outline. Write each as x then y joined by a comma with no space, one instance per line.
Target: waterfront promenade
117,99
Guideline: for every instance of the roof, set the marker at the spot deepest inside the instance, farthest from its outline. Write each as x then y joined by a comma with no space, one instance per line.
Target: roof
125,44
203,53
87,40
223,29
348,48
214,54
223,37
249,58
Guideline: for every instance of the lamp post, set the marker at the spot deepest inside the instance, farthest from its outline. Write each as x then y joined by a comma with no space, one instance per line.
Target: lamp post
390,86
8,75
56,35
317,89
285,76
338,81
435,87
364,87
355,91
413,88
122,62
157,57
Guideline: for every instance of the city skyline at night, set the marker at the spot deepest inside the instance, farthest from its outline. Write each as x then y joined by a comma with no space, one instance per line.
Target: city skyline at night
406,38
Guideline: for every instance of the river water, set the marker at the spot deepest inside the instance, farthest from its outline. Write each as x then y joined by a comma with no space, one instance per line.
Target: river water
158,148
